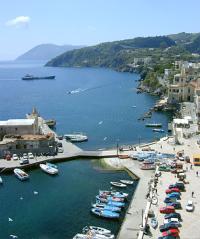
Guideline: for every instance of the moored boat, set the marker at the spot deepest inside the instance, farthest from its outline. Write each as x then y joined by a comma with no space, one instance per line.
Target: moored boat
106,207
77,137
97,230
118,184
153,125
113,193
110,202
51,165
105,213
129,182
1,180
20,174
158,130
51,123
48,169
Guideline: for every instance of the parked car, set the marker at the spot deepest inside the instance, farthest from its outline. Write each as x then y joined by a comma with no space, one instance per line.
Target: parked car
60,150
60,137
171,232
176,205
25,156
59,144
174,195
178,185
173,215
30,156
169,200
167,226
171,220
190,206
168,237
15,157
167,209
172,190
24,161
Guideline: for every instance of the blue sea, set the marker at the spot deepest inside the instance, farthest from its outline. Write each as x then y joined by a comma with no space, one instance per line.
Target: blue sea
101,108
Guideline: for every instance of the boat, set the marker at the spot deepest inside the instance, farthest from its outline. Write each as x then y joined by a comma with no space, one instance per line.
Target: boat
32,77
111,198
20,174
51,123
109,202
1,180
106,207
154,222
113,193
118,184
48,169
92,235
153,125
129,182
105,213
158,130
51,165
76,137
97,230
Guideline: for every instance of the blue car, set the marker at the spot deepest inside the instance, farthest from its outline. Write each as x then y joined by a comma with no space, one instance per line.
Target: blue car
167,226
167,237
172,195
168,200
176,205
173,215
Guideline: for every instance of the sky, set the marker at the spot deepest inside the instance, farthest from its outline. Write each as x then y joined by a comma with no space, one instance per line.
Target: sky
27,23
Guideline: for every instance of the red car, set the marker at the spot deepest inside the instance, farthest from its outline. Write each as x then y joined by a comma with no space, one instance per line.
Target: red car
171,232
171,190
167,209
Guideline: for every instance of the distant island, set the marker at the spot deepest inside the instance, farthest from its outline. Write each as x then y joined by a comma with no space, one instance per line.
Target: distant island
148,56
45,52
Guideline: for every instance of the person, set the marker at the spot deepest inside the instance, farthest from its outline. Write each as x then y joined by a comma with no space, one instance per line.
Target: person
197,173
192,194
186,168
191,166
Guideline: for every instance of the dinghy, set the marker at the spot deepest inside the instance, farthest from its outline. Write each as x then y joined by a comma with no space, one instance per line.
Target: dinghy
107,207
129,182
48,169
97,230
113,193
118,184
20,174
105,213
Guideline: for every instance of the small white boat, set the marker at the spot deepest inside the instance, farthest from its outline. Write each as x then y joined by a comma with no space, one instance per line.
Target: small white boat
118,184
97,230
1,180
20,174
91,235
154,125
129,182
158,130
48,169
77,137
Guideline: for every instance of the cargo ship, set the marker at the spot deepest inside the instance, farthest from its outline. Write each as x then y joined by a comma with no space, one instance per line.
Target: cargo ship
32,77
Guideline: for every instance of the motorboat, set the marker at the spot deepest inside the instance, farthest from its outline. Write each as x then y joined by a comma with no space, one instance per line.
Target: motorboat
113,193
106,207
112,198
51,165
157,125
129,182
32,77
105,213
20,174
1,180
97,230
77,137
158,130
118,184
51,123
92,235
110,202
48,169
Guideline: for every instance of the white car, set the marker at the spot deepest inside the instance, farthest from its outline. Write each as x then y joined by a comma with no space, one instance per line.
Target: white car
30,156
15,157
60,150
171,220
190,206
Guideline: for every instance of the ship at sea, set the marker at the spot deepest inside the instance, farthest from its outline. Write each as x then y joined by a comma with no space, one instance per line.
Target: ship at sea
32,77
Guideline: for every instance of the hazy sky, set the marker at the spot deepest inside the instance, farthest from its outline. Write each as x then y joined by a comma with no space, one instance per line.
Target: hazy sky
26,23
